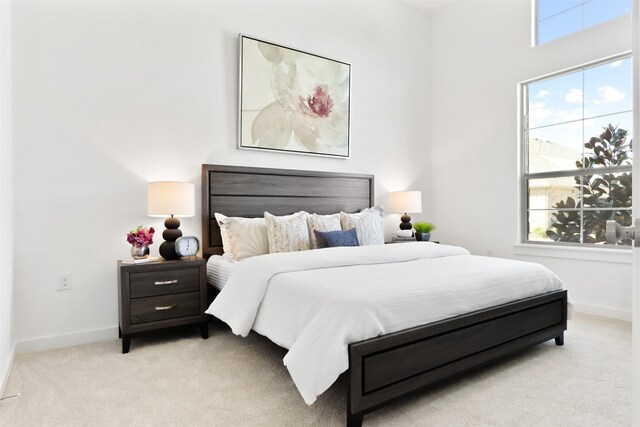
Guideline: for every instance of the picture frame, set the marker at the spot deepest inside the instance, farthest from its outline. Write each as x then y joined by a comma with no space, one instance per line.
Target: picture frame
293,101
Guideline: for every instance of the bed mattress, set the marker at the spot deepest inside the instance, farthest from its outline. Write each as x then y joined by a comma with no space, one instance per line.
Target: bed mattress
219,268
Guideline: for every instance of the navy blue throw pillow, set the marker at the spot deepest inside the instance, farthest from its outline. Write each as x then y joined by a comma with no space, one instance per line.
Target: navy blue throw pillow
332,239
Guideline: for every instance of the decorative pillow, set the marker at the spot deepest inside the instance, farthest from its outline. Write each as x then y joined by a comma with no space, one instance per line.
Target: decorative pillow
368,224
332,239
246,237
287,233
321,223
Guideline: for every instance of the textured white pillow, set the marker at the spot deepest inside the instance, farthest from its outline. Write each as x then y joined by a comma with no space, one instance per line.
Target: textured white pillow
321,223
369,225
287,233
246,237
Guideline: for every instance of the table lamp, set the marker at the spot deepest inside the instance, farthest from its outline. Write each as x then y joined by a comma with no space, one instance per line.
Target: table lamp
172,199
406,202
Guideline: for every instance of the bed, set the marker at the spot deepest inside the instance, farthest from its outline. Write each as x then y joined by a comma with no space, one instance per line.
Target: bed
391,365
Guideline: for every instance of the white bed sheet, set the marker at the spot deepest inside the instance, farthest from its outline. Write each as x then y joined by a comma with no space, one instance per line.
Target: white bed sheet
219,268
315,305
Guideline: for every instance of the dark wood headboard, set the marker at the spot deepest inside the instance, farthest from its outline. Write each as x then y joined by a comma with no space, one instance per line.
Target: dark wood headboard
248,192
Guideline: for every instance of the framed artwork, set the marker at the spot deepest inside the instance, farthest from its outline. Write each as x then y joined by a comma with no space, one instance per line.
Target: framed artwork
293,101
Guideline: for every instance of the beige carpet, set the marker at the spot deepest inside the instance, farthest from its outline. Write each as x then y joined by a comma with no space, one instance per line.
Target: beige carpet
177,378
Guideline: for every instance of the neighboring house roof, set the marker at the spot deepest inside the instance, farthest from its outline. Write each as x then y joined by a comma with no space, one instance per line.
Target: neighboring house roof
550,156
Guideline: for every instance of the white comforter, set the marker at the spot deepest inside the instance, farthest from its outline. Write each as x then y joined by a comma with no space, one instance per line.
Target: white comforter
315,303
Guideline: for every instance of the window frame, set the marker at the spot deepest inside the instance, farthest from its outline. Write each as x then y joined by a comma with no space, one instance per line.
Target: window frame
524,176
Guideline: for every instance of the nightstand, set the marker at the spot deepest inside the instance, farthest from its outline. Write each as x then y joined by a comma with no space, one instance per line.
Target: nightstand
161,294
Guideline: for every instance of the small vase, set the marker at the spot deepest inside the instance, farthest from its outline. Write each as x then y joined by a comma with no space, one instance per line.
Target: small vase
422,237
139,252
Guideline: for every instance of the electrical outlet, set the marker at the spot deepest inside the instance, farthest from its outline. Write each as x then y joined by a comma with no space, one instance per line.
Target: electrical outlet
64,281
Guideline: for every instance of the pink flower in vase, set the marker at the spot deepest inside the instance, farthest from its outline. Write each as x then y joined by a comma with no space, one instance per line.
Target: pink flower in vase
140,236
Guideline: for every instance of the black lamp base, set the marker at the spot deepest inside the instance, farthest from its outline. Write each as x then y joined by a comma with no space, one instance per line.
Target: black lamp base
168,250
406,222
168,247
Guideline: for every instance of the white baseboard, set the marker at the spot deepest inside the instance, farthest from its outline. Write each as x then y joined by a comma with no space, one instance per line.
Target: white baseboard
95,335
5,371
602,311
66,340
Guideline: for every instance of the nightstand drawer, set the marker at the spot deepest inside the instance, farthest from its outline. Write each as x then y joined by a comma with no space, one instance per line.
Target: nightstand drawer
164,282
165,307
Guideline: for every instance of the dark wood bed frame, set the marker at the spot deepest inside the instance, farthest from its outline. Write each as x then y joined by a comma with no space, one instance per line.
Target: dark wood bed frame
384,368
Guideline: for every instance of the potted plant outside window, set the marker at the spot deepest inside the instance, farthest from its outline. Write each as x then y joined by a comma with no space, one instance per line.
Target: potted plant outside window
423,231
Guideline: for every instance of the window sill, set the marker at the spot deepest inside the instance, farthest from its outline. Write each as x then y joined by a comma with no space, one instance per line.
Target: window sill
622,256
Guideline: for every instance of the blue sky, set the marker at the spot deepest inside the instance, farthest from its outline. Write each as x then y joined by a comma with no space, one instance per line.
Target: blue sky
557,18
571,108
599,90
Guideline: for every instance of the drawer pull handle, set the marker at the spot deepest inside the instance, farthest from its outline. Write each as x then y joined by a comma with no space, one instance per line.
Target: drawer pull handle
166,307
167,282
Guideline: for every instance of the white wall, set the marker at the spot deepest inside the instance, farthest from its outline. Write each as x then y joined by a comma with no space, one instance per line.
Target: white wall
111,95
6,197
479,51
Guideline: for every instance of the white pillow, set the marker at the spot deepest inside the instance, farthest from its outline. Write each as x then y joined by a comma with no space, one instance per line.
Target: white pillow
321,223
246,237
226,242
287,233
369,225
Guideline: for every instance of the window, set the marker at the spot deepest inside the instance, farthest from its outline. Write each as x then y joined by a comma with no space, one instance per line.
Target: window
577,158
557,18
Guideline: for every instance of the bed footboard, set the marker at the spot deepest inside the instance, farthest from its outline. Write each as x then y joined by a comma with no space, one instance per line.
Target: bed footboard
384,368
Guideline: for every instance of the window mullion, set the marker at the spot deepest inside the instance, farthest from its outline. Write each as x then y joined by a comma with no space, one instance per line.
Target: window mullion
577,172
583,153
581,208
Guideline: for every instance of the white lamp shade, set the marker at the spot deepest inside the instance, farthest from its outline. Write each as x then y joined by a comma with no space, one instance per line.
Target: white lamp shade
407,201
166,198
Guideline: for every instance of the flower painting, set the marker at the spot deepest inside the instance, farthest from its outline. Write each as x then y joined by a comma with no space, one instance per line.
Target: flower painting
293,101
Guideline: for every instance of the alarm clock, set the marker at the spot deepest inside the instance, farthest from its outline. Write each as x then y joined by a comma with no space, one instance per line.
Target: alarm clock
187,246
